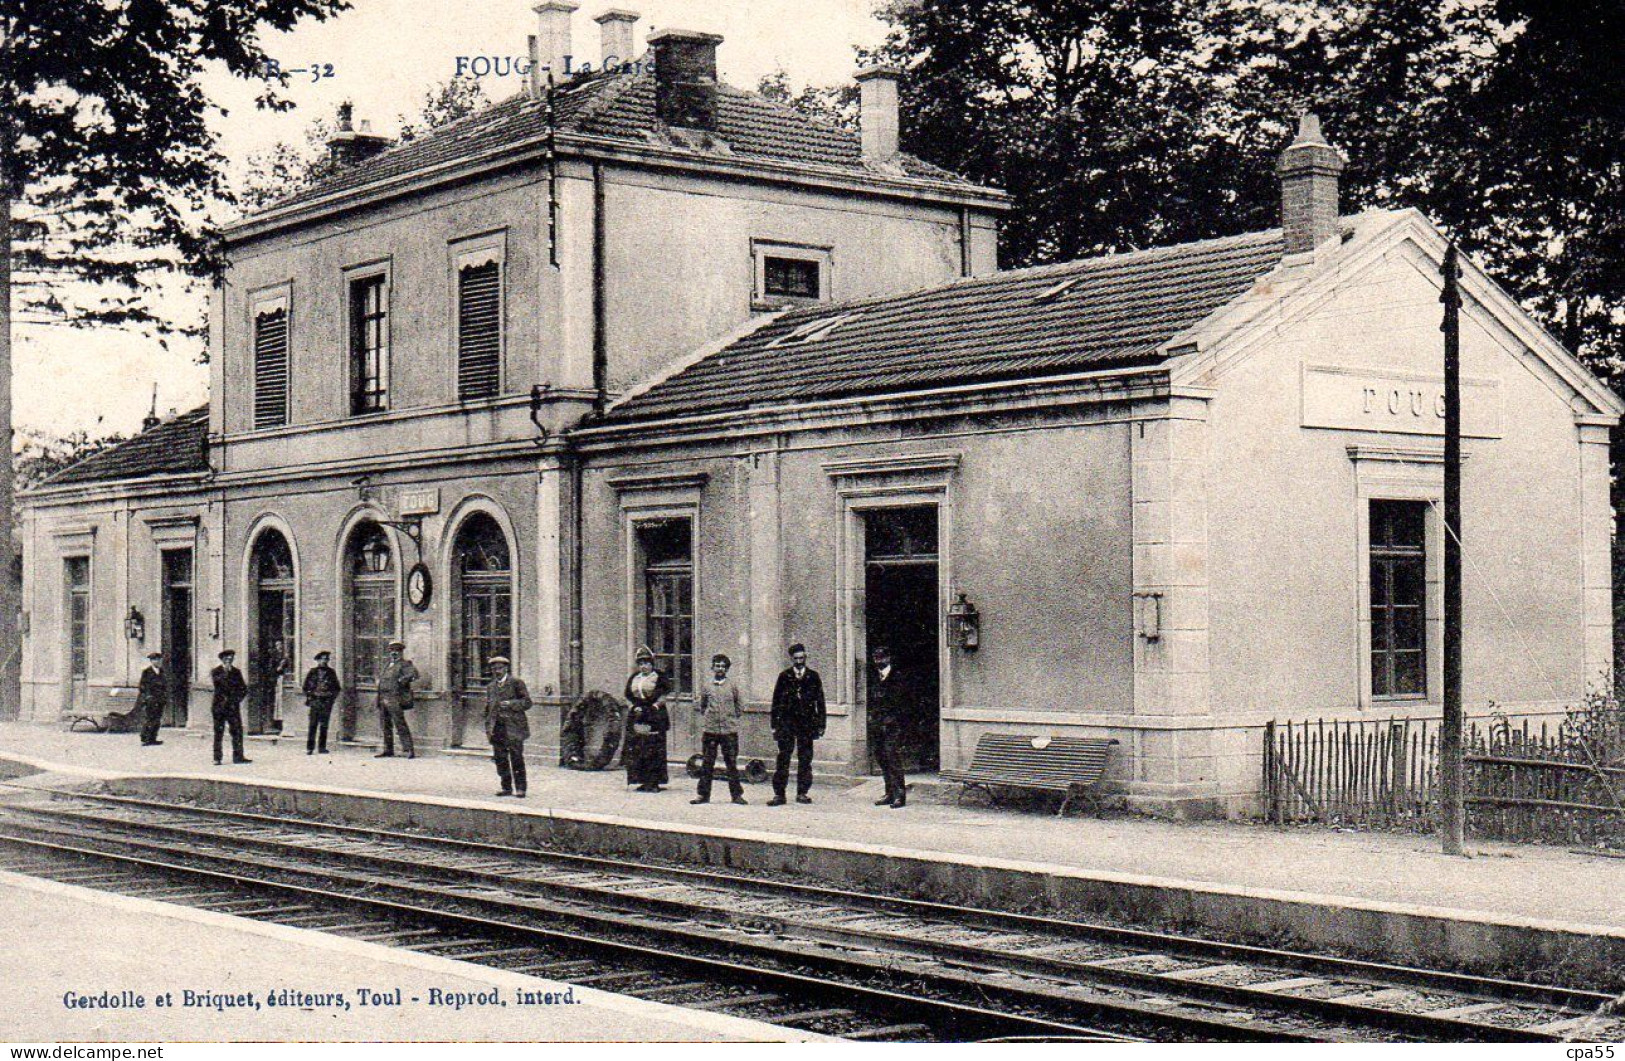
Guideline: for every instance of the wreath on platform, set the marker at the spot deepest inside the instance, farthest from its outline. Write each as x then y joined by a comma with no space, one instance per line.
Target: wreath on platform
591,734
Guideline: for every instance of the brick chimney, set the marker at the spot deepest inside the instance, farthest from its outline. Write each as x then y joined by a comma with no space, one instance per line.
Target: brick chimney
615,37
553,37
686,78
877,112
349,145
1308,170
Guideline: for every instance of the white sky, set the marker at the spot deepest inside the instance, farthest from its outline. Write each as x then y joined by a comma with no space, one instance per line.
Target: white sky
385,55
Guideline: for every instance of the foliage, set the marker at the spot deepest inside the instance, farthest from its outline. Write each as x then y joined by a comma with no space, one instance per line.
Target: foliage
284,169
1118,126
40,456
835,105
443,104
109,161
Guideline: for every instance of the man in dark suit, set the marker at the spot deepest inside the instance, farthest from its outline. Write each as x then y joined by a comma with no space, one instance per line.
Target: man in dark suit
227,706
891,703
321,688
506,701
395,699
798,719
151,698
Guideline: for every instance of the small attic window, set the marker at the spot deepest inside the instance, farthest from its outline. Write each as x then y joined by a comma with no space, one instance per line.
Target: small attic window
1053,293
788,274
813,330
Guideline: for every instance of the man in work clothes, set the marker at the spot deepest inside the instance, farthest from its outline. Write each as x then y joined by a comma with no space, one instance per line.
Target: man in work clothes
506,701
891,702
720,708
150,698
798,719
227,705
321,690
395,699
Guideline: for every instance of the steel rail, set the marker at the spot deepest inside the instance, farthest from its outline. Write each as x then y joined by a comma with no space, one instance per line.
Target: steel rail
964,955
1384,974
996,1024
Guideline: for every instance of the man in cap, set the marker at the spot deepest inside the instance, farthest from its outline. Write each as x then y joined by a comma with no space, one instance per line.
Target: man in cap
891,706
798,719
506,701
151,697
227,706
321,690
720,708
395,699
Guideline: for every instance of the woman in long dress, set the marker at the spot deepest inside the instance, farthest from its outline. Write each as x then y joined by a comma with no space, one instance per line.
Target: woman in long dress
646,724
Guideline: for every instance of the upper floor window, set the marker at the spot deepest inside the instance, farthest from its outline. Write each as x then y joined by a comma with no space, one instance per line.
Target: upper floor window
1398,599
787,273
271,365
479,330
369,345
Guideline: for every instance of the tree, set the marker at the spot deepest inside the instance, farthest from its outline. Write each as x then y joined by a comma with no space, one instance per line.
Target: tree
108,170
41,455
834,105
285,168
1095,115
443,104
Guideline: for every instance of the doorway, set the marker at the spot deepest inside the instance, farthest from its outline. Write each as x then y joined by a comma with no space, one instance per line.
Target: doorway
177,634
902,600
275,613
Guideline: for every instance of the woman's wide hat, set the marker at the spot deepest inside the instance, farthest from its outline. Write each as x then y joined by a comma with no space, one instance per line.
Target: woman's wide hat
644,653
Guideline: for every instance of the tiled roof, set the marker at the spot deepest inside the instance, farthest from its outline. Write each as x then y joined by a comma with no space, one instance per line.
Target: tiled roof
1096,313
619,106
176,447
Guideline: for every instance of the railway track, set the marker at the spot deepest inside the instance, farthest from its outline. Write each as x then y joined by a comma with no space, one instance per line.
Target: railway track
851,964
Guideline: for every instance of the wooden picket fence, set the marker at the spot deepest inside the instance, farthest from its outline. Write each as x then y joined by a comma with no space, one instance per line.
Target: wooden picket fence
1543,782
1560,784
1367,772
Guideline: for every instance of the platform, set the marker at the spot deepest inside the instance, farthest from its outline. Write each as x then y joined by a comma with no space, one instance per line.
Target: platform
1392,893
62,944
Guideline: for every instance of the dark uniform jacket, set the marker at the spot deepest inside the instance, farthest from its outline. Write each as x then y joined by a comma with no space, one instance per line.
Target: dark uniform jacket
322,683
891,700
229,689
506,701
395,684
798,704
152,694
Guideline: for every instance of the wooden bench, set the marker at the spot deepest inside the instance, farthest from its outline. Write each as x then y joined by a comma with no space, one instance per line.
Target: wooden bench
1069,765
112,722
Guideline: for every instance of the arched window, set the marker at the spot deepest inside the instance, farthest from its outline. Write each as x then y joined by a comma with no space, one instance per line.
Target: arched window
369,571
482,601
273,626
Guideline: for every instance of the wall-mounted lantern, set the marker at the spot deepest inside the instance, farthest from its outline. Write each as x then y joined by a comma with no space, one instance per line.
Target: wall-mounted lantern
135,625
1148,615
965,622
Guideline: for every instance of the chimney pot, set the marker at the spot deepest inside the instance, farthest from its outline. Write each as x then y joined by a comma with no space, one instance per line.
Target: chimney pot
615,37
877,112
1309,169
686,78
350,145
553,36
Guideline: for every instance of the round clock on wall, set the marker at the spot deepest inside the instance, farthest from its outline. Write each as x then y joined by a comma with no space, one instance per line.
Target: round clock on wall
419,586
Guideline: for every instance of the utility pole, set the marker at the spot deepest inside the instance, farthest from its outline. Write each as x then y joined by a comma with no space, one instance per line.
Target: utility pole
1452,806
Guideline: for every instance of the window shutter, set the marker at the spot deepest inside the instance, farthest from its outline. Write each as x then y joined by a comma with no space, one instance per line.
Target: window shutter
479,331
271,369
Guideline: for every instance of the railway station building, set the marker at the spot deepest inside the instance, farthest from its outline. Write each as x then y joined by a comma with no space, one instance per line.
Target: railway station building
646,359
